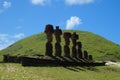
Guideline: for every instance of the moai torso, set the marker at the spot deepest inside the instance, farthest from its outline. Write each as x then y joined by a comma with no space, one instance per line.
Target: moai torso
49,49
74,52
79,44
58,49
86,55
80,54
66,51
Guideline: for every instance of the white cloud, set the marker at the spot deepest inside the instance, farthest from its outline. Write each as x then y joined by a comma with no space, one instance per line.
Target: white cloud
19,36
78,2
6,40
3,37
40,2
73,22
6,4
5,44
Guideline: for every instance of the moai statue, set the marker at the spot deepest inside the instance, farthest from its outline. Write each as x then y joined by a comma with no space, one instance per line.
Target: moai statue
86,55
49,32
74,38
67,37
80,54
58,33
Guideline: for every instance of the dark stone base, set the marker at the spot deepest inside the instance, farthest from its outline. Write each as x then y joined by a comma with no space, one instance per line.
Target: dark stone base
27,61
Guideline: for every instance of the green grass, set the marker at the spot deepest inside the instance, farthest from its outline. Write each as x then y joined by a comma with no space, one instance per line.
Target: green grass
9,71
99,47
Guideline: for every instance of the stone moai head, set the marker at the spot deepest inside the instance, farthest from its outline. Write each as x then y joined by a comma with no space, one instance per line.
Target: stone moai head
57,27
79,44
57,31
49,29
67,36
75,36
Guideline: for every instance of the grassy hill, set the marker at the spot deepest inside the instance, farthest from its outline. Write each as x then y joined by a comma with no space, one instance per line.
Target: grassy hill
96,45
99,47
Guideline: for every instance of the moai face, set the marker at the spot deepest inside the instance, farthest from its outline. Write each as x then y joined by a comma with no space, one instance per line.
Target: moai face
74,36
58,33
67,37
49,31
79,44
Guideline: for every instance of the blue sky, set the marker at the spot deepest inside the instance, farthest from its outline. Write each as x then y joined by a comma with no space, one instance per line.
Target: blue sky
23,18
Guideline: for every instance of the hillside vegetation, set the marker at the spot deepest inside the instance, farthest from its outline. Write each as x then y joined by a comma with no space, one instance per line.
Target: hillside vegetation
99,47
